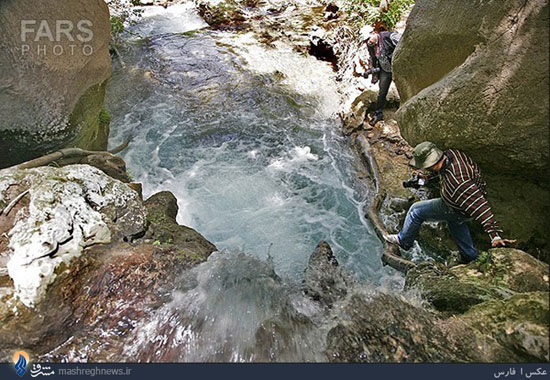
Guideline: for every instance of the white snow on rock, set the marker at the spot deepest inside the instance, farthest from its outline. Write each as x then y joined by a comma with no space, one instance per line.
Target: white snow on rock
63,218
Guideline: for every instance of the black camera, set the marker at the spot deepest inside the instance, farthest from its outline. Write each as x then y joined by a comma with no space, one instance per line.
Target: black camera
415,182
372,70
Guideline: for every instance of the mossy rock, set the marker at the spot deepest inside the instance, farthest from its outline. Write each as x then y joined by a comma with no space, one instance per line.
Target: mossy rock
162,209
224,14
385,328
90,120
449,293
506,267
520,323
497,274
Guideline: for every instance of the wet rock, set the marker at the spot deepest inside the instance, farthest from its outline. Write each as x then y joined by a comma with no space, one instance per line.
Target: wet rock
332,7
75,285
498,55
448,292
162,209
384,328
232,307
52,88
399,204
112,165
498,274
509,268
520,323
321,46
325,281
225,14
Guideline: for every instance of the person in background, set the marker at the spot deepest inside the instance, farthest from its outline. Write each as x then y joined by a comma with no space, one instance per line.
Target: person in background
463,198
380,44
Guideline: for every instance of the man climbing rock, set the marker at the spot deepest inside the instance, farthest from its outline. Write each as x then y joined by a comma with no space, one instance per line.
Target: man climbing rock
463,198
380,44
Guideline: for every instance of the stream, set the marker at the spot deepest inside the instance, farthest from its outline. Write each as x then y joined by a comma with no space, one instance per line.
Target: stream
248,139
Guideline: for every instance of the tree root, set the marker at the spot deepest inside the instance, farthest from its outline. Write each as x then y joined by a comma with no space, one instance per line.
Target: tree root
106,161
69,156
391,254
12,204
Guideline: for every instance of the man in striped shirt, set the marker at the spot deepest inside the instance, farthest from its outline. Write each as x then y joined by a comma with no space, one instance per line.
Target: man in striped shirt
463,197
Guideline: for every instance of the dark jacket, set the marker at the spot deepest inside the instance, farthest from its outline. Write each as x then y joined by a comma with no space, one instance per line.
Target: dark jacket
386,46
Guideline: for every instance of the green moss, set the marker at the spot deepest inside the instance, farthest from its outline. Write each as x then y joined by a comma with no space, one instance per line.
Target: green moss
483,262
104,117
158,217
90,121
186,254
366,12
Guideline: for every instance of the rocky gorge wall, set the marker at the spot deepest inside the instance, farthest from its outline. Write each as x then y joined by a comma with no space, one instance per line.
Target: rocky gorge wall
55,63
474,75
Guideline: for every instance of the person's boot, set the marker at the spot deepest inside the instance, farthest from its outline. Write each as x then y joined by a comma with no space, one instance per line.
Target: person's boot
375,119
393,239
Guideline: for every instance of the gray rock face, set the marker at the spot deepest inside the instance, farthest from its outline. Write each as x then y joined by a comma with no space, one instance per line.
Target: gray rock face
519,323
474,76
324,280
69,209
73,263
55,62
384,328
499,274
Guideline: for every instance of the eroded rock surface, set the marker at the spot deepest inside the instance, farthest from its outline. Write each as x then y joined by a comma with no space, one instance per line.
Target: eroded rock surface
324,280
520,323
55,62
503,296
76,272
69,209
499,274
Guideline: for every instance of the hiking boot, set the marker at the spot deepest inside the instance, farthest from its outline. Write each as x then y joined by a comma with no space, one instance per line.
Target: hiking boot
393,239
375,119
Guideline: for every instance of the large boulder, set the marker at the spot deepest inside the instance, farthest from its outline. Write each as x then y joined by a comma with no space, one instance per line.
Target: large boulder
162,209
55,64
474,76
497,275
386,328
519,323
507,268
366,325
67,210
325,281
447,292
76,270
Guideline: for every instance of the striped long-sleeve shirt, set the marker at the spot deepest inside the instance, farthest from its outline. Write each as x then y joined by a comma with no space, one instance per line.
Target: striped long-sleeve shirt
463,188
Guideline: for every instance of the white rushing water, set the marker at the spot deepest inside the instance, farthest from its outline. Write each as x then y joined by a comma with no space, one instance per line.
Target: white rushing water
248,139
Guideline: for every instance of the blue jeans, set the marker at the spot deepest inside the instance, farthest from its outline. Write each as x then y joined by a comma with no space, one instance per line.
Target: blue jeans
436,210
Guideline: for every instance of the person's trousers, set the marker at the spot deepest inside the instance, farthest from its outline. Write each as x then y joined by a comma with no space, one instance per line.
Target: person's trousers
385,79
436,210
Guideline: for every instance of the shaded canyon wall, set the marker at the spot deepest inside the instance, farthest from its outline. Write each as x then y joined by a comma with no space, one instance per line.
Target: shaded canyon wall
55,62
